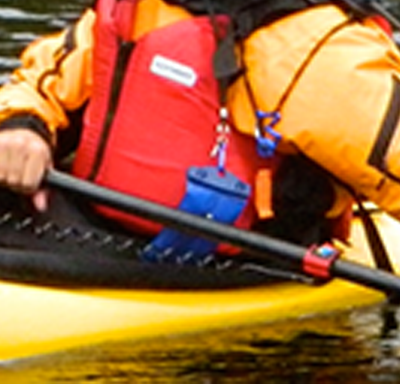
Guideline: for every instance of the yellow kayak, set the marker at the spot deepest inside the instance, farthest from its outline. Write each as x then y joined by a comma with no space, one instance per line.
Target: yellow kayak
42,319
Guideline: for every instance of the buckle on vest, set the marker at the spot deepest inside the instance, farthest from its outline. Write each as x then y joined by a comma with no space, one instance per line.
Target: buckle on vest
267,138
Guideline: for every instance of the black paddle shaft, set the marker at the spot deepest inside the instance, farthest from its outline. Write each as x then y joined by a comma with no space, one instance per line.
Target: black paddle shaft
260,247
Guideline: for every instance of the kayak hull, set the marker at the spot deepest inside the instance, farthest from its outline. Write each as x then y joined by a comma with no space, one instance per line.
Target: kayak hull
39,320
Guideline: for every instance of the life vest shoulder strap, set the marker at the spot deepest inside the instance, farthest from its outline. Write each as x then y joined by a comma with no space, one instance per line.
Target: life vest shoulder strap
133,18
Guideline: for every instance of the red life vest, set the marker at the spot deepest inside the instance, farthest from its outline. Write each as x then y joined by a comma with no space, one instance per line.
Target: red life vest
154,112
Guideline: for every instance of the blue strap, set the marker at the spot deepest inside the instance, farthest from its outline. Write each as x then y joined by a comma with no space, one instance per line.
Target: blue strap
267,138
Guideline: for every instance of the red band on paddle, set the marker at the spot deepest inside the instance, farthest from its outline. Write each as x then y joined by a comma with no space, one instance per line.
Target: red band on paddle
318,260
383,23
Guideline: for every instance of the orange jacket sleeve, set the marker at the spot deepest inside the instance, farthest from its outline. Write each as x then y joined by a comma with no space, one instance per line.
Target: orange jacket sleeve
55,77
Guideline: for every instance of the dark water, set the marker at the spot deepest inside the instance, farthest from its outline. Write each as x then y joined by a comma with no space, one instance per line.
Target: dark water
353,347
347,348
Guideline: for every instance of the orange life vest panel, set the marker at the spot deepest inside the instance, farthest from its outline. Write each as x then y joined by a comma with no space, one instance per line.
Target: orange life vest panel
154,109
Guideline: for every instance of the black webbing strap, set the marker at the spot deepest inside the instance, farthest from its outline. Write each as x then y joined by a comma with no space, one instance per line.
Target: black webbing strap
225,63
377,246
377,157
375,241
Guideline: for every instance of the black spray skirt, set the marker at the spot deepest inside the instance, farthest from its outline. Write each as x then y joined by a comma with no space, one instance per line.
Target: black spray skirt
70,246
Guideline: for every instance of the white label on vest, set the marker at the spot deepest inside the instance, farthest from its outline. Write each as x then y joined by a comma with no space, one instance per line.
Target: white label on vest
173,70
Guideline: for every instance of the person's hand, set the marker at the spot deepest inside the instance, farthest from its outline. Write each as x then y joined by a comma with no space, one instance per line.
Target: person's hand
24,158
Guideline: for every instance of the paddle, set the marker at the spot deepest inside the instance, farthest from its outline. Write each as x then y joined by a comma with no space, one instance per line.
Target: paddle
260,247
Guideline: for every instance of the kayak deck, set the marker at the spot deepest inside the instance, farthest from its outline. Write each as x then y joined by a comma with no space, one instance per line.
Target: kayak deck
37,320
48,320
